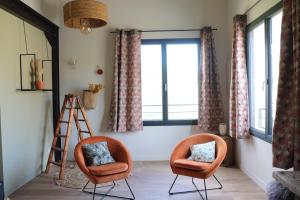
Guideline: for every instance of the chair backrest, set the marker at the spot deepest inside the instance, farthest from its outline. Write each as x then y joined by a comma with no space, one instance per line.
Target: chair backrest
118,151
116,148
221,146
182,151
183,148
113,144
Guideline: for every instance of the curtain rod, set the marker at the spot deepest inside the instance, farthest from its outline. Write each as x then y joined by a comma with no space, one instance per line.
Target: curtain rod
169,30
248,10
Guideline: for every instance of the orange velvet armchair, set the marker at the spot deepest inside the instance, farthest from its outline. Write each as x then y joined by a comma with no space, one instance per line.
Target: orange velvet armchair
180,165
106,173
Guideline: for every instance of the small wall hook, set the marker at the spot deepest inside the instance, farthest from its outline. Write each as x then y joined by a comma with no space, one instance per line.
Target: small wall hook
73,61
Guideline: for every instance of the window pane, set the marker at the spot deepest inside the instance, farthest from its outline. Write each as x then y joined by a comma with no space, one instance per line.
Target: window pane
182,70
275,55
152,82
257,77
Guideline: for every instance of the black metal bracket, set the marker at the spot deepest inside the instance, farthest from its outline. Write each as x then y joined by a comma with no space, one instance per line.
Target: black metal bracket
197,189
106,194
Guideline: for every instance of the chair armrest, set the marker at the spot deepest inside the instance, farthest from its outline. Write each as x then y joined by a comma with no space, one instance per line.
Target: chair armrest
181,151
80,160
221,154
122,154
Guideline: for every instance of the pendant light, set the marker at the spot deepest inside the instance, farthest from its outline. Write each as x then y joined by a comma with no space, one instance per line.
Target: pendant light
85,15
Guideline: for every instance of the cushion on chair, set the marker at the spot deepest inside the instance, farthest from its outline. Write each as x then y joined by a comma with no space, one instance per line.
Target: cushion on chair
204,152
191,165
108,169
97,154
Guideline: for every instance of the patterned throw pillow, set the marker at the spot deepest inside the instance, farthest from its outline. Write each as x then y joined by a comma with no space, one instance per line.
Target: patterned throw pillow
97,154
203,152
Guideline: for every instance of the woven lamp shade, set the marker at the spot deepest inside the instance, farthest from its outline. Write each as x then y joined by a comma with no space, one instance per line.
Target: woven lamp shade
93,11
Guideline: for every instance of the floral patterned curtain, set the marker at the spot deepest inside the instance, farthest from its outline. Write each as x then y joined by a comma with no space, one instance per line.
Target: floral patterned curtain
210,106
239,110
286,132
126,103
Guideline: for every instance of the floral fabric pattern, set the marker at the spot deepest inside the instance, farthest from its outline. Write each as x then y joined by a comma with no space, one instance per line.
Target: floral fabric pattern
203,152
286,132
97,154
239,108
126,103
210,106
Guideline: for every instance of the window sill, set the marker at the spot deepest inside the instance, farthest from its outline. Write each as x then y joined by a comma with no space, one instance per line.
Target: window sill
259,134
170,123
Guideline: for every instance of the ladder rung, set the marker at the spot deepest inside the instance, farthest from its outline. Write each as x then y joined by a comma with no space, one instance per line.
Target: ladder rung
71,108
60,135
84,131
71,102
64,122
56,163
57,149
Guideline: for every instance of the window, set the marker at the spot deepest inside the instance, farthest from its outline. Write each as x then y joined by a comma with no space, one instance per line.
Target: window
263,68
170,81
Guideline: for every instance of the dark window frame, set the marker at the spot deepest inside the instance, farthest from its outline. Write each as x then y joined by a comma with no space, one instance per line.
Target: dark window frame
266,19
163,42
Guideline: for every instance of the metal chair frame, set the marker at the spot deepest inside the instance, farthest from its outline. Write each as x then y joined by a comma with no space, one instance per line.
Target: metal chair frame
106,194
197,189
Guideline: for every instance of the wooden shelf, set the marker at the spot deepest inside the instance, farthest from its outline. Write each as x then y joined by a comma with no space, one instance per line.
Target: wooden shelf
33,90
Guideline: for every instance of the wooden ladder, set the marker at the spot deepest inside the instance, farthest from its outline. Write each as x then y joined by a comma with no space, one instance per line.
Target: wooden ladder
73,105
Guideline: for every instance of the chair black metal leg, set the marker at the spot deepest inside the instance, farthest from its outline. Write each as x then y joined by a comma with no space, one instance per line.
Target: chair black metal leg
129,188
108,191
94,191
197,189
221,186
205,189
85,186
173,185
96,187
182,192
106,194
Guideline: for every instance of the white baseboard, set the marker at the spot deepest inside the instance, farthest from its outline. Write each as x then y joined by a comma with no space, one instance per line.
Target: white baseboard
261,183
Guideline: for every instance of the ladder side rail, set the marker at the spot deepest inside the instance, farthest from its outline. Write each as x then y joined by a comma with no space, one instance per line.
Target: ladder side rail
66,144
84,115
57,128
78,124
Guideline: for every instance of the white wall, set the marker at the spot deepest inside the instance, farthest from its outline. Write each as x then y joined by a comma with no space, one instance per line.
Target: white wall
1,157
254,156
26,117
47,8
153,143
